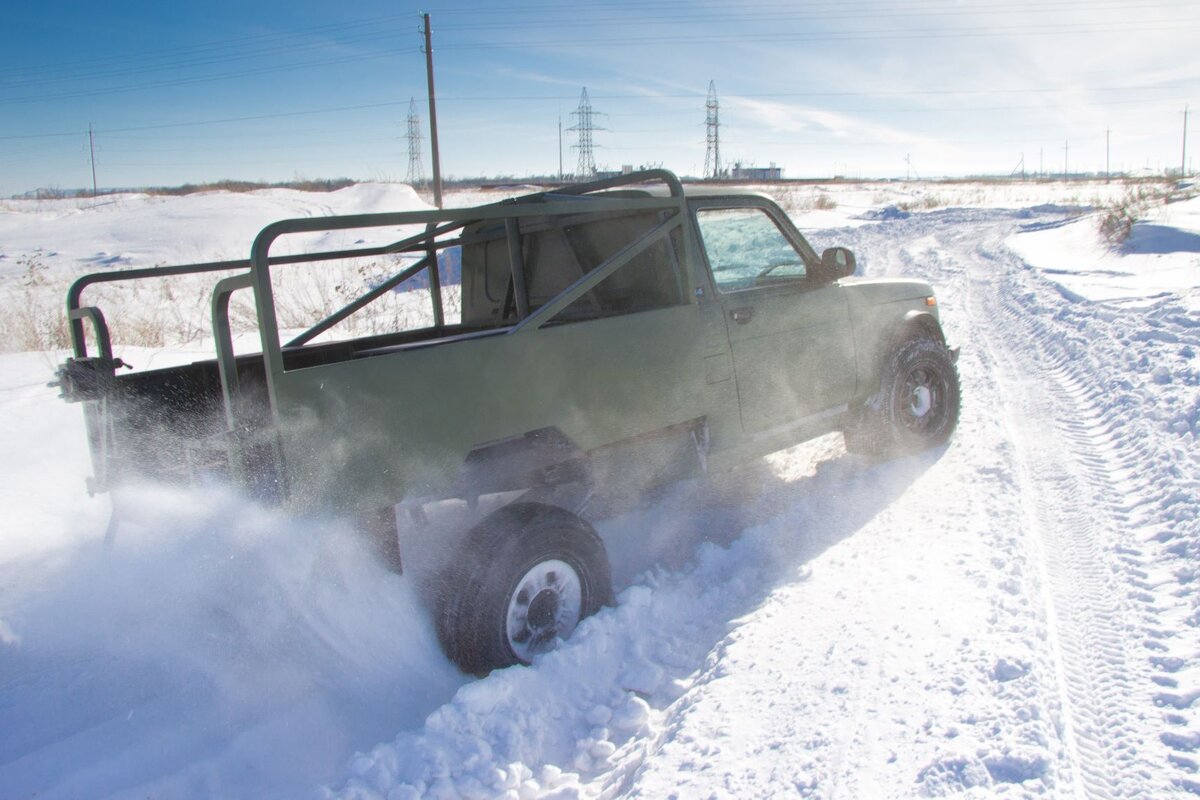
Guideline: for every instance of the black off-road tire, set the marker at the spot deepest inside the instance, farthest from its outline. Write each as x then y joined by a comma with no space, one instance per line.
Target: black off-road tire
512,592
916,407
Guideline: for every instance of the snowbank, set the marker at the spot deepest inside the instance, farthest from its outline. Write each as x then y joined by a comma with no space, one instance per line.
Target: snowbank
1160,259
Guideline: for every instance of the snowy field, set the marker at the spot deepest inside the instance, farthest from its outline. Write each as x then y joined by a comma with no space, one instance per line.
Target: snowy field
1014,616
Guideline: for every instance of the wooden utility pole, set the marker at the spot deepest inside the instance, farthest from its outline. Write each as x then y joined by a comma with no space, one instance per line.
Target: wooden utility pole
433,137
92,150
1107,155
1183,157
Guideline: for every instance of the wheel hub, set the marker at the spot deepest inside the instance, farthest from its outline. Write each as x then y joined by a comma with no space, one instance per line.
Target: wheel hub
543,610
545,607
922,401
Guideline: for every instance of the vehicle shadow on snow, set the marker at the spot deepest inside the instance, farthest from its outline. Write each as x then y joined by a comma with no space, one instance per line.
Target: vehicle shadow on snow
808,510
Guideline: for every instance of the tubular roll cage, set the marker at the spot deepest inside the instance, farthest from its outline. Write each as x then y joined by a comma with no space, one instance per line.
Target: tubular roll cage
255,272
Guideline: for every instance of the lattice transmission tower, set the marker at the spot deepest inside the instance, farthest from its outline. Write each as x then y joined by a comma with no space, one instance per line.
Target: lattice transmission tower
584,126
712,156
416,165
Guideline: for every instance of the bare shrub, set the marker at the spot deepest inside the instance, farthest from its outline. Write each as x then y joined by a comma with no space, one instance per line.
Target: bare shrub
824,203
793,202
1118,217
1116,222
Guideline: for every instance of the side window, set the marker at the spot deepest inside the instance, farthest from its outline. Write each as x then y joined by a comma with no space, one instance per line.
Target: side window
746,249
652,279
555,253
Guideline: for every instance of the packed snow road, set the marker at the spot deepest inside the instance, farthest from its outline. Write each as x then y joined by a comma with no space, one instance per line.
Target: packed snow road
1013,616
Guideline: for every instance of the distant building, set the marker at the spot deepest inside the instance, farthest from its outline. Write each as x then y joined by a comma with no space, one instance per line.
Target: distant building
626,169
741,172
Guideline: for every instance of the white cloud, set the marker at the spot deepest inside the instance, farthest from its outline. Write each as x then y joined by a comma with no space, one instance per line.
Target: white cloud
795,119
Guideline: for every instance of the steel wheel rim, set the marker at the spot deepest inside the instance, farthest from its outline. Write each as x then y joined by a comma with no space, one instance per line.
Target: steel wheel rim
922,399
544,607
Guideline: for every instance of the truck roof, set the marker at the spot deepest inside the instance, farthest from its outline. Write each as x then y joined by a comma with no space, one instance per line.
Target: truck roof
649,190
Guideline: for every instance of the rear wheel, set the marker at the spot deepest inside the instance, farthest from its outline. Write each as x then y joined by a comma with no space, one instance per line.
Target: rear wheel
529,574
917,404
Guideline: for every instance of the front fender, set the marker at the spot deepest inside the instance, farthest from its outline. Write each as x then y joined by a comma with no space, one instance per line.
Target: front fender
886,338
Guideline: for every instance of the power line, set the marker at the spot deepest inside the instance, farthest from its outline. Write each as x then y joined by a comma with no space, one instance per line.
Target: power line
186,50
203,78
508,10
135,68
988,30
224,120
205,53
171,57
183,55
1123,28
743,15
666,96
661,96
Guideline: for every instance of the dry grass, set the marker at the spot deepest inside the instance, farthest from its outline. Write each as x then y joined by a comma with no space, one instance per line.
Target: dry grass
923,203
300,184
796,201
170,312
34,315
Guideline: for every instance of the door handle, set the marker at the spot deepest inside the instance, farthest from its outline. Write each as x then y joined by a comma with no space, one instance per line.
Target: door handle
742,315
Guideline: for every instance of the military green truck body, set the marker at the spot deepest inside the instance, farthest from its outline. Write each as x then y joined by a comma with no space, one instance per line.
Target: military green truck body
622,331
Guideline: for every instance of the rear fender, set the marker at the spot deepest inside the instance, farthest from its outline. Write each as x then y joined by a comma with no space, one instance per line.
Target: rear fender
540,459
547,466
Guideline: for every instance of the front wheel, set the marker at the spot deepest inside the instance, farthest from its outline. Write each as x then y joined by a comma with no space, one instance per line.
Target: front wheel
529,575
917,405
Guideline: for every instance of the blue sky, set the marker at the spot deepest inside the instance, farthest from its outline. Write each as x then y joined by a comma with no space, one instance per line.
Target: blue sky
180,92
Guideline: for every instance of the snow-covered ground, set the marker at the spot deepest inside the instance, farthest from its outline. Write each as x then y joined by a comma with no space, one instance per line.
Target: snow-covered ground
1014,616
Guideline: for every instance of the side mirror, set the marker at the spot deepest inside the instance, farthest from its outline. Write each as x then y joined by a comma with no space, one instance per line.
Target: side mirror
838,262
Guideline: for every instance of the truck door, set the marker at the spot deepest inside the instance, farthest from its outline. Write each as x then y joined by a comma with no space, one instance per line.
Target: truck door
789,331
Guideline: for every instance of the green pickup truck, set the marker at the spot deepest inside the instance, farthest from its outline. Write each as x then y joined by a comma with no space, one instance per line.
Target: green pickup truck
619,332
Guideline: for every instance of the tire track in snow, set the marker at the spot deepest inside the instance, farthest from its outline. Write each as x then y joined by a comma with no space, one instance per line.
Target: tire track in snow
1068,470
1115,475
1144,419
